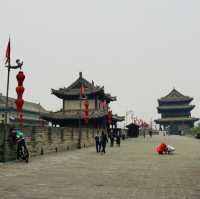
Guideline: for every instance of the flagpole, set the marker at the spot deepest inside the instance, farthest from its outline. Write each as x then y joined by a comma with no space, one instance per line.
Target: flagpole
6,116
7,90
8,60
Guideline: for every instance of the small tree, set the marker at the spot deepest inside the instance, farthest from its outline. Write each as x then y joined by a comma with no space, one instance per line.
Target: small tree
196,129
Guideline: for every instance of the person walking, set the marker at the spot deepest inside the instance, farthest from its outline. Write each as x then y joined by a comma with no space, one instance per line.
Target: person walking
111,139
118,139
97,142
144,133
104,140
150,133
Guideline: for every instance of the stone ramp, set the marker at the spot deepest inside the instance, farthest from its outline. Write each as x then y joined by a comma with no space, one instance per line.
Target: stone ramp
133,170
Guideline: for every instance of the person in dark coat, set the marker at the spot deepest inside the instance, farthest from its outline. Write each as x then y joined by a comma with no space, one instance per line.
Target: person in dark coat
150,133
118,139
104,140
97,142
111,139
144,133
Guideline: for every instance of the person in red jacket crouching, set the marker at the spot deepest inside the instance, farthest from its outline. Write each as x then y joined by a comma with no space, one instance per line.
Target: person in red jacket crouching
163,148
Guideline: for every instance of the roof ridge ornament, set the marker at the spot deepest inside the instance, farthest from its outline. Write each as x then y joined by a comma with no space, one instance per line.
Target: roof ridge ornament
80,75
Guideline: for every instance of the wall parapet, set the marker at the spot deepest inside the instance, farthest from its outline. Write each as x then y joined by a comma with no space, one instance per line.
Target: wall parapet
44,140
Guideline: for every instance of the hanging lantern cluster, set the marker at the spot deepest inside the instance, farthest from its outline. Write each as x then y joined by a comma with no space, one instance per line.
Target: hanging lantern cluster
86,112
20,90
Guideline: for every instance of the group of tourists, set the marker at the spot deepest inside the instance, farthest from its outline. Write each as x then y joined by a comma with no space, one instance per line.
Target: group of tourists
115,136
102,139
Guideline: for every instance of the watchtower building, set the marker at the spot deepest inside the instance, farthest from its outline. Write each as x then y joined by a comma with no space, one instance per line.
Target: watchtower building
72,112
175,110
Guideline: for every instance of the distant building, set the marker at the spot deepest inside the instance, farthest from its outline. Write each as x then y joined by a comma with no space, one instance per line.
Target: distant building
31,112
175,110
133,130
72,111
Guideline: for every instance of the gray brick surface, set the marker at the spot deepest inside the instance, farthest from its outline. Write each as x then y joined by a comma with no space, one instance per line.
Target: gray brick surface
132,171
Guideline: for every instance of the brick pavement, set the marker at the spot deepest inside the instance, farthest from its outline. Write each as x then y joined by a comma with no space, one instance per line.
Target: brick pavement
132,171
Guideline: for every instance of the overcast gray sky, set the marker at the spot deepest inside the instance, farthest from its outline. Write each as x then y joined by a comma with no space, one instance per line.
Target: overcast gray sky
138,49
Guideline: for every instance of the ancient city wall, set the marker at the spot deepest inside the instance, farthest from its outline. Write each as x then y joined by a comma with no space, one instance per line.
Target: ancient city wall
43,140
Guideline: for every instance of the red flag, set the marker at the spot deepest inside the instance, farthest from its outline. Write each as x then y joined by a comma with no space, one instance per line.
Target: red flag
8,53
103,104
82,90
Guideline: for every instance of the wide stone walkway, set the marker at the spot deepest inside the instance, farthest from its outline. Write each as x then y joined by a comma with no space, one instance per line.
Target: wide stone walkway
132,171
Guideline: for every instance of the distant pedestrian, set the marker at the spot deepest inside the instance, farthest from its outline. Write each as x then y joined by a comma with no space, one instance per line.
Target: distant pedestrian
111,140
104,140
150,133
144,133
97,142
164,133
123,136
118,139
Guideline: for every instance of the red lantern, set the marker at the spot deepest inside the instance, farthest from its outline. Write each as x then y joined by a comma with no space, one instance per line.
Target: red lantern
19,102
20,78
86,112
20,91
18,110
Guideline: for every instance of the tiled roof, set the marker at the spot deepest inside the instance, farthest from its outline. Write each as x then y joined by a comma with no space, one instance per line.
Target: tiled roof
174,95
72,115
179,107
28,106
176,119
74,89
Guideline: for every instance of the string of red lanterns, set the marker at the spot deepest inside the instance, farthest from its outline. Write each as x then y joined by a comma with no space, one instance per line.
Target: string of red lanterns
86,112
20,90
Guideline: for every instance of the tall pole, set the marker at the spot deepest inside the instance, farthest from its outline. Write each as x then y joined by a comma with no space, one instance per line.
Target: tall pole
19,65
7,90
8,65
6,117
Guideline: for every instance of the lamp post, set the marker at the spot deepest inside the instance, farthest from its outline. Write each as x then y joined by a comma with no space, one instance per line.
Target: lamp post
19,65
